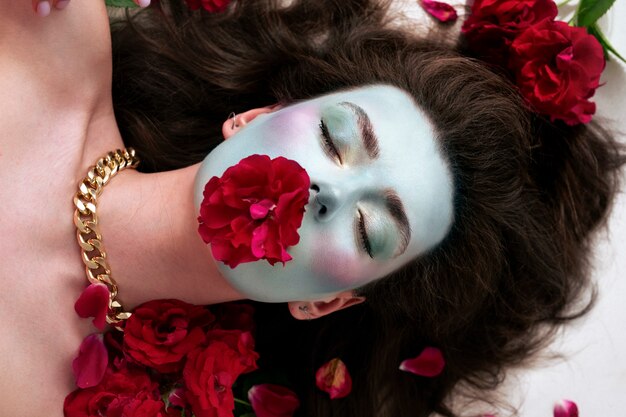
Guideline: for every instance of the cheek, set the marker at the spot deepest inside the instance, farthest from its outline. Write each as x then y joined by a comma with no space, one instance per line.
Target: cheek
339,267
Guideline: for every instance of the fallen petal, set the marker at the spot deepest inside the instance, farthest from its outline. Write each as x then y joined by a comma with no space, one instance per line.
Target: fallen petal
439,10
565,408
333,377
91,363
429,363
94,302
269,400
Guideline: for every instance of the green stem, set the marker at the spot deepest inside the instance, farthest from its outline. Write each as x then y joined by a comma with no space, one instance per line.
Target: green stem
242,402
563,3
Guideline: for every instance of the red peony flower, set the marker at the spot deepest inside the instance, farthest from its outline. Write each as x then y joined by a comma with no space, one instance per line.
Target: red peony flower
127,392
565,408
91,363
254,210
213,6
493,24
557,68
429,363
209,376
333,377
439,10
160,333
269,400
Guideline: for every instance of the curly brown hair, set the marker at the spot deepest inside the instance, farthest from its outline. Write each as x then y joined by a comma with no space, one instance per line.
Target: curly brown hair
528,193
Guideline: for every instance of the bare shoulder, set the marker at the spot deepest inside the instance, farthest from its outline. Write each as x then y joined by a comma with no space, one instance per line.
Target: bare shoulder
63,57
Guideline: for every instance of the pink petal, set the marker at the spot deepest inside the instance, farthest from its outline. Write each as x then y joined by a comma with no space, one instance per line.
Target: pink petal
439,10
259,210
429,363
333,377
565,408
94,302
91,363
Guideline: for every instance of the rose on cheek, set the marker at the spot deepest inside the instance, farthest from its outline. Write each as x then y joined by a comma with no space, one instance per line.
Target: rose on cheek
493,25
254,210
160,333
557,68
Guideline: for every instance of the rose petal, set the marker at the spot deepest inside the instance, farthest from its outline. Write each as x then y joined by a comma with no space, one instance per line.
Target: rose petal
429,363
333,377
91,363
439,10
269,400
94,302
565,408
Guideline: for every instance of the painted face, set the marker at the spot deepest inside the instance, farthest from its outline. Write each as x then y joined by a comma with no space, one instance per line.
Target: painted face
381,192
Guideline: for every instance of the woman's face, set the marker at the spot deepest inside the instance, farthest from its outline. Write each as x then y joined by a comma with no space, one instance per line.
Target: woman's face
381,192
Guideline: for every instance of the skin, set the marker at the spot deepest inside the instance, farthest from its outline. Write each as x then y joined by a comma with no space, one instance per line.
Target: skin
344,186
57,119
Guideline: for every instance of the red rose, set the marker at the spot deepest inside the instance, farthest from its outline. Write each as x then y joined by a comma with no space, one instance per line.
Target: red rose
127,392
241,342
269,400
557,68
209,376
213,6
160,333
493,24
254,210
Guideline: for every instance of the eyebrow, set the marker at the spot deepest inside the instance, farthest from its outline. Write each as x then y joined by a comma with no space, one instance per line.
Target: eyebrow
370,141
396,209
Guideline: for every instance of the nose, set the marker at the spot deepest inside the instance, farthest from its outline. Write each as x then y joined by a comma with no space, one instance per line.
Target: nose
326,201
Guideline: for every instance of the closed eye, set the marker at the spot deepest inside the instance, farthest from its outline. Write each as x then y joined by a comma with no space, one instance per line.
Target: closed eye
362,237
328,145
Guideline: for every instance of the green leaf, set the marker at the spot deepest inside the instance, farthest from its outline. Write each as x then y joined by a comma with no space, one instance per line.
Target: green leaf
121,3
589,11
248,415
595,31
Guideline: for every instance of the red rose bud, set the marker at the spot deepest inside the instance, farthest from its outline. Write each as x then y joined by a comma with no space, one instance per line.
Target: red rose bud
333,377
439,10
557,69
492,25
91,363
565,408
254,210
429,363
269,400
161,332
94,302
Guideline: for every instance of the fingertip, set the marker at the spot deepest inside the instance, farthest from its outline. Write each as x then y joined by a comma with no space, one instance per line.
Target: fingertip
143,3
43,8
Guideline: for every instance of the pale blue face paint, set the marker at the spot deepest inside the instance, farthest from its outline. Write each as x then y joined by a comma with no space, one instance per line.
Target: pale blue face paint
353,184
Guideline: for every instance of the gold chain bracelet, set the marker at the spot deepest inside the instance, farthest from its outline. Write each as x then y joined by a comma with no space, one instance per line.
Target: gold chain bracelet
86,221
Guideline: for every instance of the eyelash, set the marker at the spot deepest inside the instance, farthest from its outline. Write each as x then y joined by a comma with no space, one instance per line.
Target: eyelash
362,235
329,146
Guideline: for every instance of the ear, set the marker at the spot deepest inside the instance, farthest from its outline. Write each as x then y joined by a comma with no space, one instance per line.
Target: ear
237,121
306,310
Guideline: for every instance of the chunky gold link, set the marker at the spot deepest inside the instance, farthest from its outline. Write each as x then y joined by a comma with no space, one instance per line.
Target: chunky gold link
86,222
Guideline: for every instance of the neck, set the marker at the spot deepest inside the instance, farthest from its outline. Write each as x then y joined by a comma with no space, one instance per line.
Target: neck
149,229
